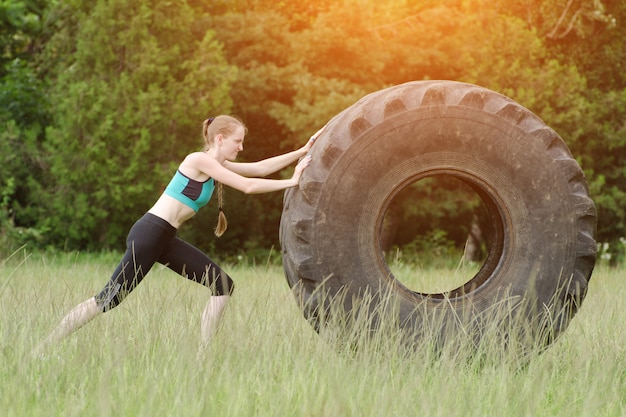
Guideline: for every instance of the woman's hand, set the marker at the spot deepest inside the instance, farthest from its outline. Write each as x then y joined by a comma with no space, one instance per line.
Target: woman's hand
311,141
304,162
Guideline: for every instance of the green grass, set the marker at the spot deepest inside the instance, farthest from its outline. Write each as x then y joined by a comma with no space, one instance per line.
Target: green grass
141,358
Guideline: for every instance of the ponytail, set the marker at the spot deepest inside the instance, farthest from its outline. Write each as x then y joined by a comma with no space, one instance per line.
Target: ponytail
211,127
222,223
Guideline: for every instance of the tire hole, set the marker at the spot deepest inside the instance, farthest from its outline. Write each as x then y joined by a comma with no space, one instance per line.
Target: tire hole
435,235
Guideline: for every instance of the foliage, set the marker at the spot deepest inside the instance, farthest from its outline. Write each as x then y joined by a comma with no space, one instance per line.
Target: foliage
22,173
601,144
128,103
23,23
130,84
431,249
22,95
12,237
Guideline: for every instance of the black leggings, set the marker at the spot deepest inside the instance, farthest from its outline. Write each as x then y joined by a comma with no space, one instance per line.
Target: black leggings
151,240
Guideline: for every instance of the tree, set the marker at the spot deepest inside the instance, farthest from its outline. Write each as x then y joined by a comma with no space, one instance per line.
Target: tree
23,118
128,79
129,102
23,26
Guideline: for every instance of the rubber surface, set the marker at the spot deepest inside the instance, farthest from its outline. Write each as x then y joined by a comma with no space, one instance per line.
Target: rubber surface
543,221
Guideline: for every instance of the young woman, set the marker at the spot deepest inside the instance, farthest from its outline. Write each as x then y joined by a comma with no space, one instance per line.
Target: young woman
153,237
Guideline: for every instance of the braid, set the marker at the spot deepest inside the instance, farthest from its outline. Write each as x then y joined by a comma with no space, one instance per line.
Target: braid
211,127
222,223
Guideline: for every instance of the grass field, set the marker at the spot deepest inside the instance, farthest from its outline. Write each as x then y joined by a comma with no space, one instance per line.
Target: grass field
141,359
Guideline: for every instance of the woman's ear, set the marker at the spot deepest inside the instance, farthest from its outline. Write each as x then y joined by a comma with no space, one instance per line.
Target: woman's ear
219,138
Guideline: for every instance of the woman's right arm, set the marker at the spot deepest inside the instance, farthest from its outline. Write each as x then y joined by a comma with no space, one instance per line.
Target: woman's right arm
248,185
266,166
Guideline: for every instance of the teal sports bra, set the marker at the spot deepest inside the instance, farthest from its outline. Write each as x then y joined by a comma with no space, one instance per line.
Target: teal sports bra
192,193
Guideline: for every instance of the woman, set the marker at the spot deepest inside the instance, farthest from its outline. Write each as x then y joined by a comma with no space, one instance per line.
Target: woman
153,237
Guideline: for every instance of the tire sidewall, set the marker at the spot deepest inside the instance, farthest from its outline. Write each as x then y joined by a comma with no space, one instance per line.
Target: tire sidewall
485,149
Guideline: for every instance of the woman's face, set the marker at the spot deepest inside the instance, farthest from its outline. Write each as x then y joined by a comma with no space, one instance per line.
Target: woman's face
233,144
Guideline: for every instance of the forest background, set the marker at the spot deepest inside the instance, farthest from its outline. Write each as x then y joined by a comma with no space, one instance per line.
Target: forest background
100,99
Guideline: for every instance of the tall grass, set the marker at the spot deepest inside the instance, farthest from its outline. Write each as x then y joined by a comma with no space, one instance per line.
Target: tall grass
141,359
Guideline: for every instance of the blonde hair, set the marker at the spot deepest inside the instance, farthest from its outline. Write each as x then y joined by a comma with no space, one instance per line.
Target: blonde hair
226,126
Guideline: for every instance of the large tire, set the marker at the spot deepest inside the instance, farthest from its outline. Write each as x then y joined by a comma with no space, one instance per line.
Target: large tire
543,221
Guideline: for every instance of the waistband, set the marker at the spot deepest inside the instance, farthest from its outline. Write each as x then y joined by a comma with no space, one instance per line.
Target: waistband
156,220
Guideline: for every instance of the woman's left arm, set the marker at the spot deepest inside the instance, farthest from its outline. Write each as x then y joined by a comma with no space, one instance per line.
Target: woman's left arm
268,166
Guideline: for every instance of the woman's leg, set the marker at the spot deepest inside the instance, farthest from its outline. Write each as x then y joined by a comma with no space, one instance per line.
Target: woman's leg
124,279
211,317
147,240
193,264
148,237
190,262
74,320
